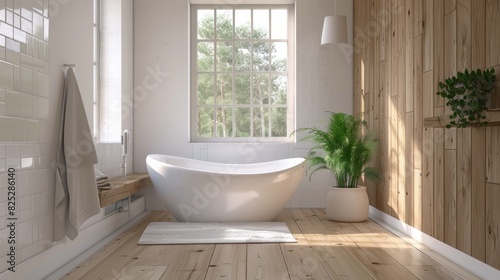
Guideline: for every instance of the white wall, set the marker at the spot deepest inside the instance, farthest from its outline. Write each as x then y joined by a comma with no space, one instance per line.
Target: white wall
71,41
161,116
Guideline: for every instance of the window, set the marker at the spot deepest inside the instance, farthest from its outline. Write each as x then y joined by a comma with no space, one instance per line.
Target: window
242,71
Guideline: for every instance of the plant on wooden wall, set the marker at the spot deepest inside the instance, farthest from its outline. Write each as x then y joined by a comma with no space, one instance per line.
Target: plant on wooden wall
467,94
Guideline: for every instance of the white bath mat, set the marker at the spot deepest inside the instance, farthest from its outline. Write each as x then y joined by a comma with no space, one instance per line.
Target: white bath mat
195,233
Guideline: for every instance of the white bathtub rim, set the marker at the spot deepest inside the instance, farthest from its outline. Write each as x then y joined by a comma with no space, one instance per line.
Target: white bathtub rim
226,168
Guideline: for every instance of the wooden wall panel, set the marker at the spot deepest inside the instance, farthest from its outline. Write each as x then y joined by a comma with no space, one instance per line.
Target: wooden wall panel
450,194
441,181
438,52
493,31
478,193
438,168
464,190
464,36
493,155
492,224
428,182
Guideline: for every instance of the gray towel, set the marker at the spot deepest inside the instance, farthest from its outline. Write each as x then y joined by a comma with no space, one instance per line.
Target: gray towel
76,198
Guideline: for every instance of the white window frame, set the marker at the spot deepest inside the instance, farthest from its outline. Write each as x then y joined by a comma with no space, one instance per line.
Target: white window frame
96,73
291,84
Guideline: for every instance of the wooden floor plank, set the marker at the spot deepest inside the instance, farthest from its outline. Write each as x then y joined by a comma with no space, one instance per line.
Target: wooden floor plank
265,261
158,255
335,256
190,263
142,272
324,250
300,259
109,248
229,261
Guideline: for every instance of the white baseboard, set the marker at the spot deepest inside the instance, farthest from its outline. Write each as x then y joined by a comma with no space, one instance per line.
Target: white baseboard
458,257
59,259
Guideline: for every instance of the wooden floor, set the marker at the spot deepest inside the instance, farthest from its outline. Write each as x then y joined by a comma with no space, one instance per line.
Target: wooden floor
325,250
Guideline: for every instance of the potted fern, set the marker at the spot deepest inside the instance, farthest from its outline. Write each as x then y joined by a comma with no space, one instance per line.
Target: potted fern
345,151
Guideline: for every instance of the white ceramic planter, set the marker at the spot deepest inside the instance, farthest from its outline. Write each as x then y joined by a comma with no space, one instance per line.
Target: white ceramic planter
347,204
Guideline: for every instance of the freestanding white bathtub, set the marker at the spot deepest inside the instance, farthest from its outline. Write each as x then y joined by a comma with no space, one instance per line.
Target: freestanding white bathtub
200,191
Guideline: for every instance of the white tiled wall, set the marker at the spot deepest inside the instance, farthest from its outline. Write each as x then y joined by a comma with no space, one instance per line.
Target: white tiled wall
24,111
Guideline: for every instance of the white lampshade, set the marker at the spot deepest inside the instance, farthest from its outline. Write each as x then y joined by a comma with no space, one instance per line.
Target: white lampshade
334,30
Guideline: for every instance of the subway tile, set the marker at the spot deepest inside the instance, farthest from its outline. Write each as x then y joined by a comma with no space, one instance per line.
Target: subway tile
26,26
39,65
26,13
2,109
43,85
12,103
26,80
11,55
33,131
20,36
35,107
38,25
46,29
6,75
35,83
17,21
3,211
2,151
26,61
2,48
3,222
26,106
9,17
17,78
29,45
43,108
27,150
27,163
6,30
9,5
16,7
13,163
2,10
36,46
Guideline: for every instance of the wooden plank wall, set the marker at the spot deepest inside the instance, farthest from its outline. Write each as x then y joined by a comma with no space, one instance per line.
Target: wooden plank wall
445,182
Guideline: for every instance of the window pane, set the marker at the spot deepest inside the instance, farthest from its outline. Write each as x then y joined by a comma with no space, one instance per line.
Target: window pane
242,23
279,53
206,89
243,53
224,122
242,89
261,89
279,89
261,122
224,57
242,120
278,122
261,56
206,24
206,122
224,25
205,57
261,24
224,89
279,24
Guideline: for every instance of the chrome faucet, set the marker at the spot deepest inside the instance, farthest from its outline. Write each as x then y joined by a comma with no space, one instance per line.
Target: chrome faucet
125,142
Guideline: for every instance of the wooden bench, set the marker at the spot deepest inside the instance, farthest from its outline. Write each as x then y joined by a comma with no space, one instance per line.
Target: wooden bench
121,189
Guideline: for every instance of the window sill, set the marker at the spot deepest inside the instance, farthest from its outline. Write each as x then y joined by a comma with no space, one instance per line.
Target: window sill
492,116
